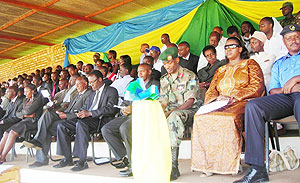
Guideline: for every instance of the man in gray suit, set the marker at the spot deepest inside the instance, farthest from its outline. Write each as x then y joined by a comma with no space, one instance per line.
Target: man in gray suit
15,105
48,122
100,103
119,129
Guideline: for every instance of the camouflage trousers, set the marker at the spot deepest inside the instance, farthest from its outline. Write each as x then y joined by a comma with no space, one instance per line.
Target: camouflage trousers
177,121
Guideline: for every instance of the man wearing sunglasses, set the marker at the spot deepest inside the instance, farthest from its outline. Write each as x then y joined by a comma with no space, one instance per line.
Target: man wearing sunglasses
283,101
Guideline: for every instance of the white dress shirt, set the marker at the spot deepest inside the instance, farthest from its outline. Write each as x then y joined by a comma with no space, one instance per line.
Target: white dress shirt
121,84
97,100
157,65
275,46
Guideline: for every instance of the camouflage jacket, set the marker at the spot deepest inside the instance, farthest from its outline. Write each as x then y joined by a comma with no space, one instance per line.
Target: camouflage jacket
174,93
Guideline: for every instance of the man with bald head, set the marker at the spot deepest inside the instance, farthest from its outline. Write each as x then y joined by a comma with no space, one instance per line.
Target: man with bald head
214,39
47,124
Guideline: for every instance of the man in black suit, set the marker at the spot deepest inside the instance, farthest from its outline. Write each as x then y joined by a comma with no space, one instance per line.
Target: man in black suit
15,105
37,81
187,59
48,122
53,87
100,103
119,128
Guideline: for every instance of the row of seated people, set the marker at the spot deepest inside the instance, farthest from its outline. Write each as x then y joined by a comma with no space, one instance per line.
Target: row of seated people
240,79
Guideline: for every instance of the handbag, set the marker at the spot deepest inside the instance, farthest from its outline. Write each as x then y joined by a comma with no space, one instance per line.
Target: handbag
286,160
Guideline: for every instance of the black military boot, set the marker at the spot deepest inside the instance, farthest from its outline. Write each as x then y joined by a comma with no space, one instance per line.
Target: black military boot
175,171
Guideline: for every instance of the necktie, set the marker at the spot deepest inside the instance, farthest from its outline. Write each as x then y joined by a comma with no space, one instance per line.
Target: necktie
53,90
95,100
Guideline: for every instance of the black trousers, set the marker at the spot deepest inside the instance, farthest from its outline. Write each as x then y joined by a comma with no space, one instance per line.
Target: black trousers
114,132
82,129
263,109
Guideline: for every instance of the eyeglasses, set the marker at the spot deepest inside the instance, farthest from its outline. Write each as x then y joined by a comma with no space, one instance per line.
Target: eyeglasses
231,46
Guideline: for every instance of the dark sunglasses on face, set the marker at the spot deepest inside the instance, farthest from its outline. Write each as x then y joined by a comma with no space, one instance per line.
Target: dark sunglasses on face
231,46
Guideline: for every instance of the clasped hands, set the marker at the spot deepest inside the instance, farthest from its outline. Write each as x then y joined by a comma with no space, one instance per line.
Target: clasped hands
292,85
83,114
126,110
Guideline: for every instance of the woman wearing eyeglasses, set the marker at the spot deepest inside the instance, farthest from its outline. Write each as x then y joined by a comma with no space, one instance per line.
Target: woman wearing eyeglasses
216,139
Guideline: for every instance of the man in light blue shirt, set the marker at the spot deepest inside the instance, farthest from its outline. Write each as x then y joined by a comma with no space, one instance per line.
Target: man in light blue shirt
283,101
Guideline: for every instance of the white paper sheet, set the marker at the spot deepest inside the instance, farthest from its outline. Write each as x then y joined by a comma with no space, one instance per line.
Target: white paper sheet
212,106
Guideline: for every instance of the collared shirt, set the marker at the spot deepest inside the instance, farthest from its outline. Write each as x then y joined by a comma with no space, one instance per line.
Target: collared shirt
38,88
222,41
284,69
275,46
100,90
13,100
175,92
81,93
187,57
203,62
265,62
121,84
157,65
67,97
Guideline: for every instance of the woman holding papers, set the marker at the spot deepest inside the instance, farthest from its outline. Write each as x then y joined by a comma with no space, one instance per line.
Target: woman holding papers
31,111
216,139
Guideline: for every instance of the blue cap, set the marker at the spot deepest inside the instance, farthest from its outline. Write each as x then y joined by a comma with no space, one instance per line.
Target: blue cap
154,48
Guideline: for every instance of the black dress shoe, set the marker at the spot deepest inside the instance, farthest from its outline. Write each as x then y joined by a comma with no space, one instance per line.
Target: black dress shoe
126,173
254,176
122,164
80,165
33,144
63,163
37,164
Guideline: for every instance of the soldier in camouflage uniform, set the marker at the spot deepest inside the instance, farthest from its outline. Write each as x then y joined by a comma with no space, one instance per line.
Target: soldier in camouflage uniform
287,11
179,96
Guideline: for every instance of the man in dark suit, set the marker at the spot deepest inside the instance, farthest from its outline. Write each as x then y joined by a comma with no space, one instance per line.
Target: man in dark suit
119,128
48,122
37,81
53,87
100,103
15,105
187,59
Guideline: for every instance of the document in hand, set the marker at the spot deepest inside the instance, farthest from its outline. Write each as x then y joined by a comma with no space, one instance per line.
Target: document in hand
212,106
45,93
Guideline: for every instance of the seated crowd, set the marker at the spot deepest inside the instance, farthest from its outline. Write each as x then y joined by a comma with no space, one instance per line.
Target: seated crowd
257,72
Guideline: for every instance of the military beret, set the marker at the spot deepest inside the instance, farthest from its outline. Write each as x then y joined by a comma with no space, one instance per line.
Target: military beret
290,28
168,54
